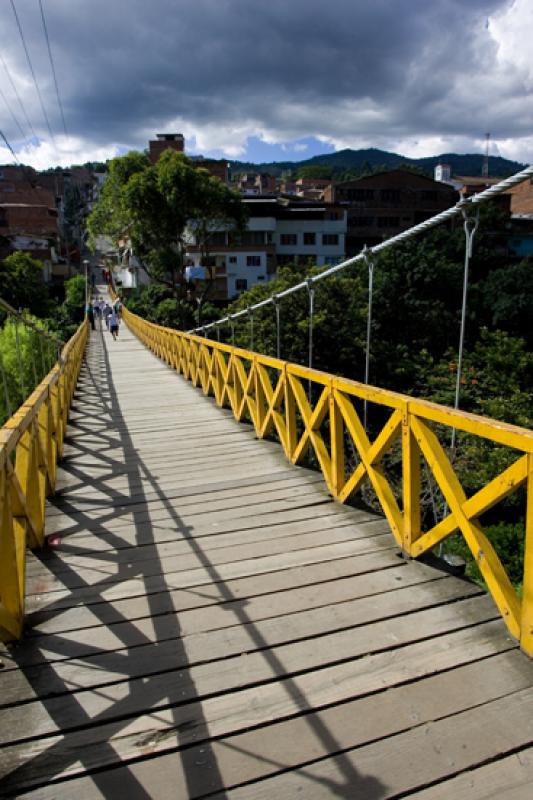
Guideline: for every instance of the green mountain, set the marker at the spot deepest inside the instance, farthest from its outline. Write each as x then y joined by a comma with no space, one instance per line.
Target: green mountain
372,159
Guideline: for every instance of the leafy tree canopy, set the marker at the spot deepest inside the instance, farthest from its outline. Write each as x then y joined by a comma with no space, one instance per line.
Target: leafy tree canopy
154,204
22,284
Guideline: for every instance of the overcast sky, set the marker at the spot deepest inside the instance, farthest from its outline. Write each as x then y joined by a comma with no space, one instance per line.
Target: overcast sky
268,79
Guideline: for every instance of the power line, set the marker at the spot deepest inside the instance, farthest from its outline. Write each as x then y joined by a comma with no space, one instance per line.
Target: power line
33,73
60,104
21,104
13,117
9,147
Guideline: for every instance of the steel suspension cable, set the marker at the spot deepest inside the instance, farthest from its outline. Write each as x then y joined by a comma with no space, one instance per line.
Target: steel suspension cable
31,337
22,382
470,227
370,264
251,314
6,389
278,325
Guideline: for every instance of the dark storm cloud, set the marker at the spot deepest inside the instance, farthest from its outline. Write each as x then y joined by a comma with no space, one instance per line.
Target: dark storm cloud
381,69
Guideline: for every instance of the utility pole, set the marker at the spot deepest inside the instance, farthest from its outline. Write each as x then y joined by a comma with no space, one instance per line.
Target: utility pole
86,265
485,168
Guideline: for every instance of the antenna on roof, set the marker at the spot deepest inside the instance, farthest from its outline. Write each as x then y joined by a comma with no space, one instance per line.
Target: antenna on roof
485,168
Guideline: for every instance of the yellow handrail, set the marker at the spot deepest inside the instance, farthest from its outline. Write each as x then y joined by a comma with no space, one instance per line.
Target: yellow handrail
240,379
31,442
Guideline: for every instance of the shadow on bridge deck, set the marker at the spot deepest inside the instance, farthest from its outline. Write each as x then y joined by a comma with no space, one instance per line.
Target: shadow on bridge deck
209,623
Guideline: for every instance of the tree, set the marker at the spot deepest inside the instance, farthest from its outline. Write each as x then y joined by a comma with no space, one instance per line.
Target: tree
22,284
109,215
315,171
156,204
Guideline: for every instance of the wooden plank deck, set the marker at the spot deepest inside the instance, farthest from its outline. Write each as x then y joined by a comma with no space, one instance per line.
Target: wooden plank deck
209,623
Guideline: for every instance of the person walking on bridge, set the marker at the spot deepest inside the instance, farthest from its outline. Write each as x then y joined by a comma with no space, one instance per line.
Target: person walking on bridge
90,314
113,324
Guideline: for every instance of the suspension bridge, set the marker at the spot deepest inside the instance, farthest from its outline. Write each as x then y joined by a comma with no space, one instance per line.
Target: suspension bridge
211,618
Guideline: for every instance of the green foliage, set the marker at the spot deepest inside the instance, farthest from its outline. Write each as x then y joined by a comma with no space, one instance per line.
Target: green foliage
157,303
22,284
110,215
70,313
25,358
314,171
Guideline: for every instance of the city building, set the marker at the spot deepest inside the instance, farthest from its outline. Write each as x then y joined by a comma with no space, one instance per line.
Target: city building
165,141
280,231
381,205
28,218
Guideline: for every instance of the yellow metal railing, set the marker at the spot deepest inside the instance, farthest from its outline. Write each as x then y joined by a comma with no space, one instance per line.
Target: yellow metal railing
31,442
241,379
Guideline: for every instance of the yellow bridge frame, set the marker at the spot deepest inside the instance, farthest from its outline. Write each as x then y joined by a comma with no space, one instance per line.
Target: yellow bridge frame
240,379
31,442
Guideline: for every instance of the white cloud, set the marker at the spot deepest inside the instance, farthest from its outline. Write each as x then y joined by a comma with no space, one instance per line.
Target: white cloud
67,151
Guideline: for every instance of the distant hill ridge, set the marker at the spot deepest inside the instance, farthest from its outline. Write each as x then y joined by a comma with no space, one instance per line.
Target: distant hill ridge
357,160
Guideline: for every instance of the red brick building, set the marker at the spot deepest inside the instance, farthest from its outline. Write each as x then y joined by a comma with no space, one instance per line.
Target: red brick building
28,214
165,141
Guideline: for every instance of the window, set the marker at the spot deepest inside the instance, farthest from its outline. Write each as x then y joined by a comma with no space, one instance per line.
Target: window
388,222
360,194
217,237
330,238
253,261
391,195
288,238
253,237
361,222
283,260
232,259
241,285
309,238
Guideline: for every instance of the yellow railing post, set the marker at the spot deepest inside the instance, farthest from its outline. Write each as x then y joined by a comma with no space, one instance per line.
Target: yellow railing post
526,620
336,432
411,484
290,416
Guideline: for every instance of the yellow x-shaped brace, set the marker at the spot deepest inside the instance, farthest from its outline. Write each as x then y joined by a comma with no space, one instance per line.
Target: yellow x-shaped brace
488,562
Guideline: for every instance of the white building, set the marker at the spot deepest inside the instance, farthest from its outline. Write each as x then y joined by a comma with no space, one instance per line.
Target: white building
279,232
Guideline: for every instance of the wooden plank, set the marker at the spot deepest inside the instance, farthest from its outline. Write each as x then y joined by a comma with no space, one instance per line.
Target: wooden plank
364,575
402,763
184,571
112,522
282,598
226,714
107,497
366,652
193,554
85,542
509,778
192,580
254,755
241,636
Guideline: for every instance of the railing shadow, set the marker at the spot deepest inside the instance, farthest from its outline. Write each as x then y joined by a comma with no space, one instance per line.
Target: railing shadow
98,395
